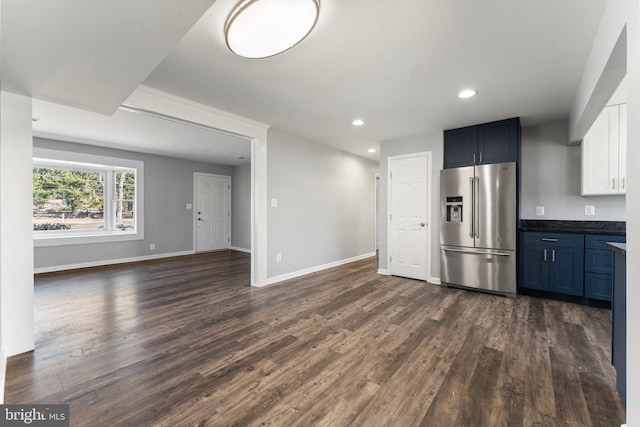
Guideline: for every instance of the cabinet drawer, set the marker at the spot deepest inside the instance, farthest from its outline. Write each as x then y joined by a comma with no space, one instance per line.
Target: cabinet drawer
553,239
598,286
598,261
599,241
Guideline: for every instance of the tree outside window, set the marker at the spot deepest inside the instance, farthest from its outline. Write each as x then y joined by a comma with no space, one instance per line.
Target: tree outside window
74,199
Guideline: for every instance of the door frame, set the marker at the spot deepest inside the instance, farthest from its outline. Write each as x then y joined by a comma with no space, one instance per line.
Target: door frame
377,182
429,229
194,208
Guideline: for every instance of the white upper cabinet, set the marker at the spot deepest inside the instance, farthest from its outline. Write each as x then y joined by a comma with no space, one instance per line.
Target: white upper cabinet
604,153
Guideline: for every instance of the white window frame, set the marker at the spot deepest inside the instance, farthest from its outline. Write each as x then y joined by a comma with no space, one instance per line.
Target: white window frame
54,158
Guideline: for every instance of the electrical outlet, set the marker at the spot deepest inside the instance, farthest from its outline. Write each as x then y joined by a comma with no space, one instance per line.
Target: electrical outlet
274,203
278,257
539,210
589,210
189,206
152,247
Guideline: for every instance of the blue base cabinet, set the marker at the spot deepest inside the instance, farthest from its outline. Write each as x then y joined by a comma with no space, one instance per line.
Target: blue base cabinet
534,271
569,264
566,271
598,260
552,262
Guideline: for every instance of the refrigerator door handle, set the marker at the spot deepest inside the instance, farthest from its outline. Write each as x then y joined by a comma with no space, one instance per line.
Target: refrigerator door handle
476,214
476,252
473,203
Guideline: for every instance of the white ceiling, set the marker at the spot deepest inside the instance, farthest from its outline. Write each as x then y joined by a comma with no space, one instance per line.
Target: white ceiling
139,132
398,65
90,54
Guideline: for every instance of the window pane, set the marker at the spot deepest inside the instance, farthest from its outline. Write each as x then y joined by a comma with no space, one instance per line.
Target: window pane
125,215
124,193
67,199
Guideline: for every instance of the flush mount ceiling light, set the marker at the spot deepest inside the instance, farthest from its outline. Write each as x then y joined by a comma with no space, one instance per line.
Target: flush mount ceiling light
372,150
467,93
263,28
357,122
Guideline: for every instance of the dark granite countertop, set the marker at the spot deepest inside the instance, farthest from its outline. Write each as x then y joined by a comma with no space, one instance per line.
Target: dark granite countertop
621,248
615,228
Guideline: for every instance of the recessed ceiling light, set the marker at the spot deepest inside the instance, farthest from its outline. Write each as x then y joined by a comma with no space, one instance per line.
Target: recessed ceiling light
263,28
357,122
467,93
372,150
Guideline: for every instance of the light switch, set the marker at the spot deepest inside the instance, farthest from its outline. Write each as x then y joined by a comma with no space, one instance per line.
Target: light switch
274,203
189,206
589,210
539,210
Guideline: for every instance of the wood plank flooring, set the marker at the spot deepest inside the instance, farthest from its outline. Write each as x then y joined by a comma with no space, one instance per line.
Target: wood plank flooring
187,342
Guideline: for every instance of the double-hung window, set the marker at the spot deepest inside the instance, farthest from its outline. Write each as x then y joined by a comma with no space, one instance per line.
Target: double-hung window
82,198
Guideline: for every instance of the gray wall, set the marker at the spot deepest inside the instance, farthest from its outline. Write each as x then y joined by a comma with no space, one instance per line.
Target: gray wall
241,207
167,222
326,204
415,144
551,177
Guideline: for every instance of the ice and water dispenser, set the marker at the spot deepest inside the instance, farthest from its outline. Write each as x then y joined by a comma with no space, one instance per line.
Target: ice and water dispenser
454,209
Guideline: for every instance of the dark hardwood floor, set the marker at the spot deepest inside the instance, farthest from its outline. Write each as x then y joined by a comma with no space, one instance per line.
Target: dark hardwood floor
186,341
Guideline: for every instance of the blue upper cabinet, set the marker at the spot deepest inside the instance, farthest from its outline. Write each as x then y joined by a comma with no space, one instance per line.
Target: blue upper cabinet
498,141
495,142
460,147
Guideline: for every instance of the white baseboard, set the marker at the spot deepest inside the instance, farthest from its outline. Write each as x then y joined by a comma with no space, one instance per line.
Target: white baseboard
3,375
435,280
235,248
384,272
310,270
108,262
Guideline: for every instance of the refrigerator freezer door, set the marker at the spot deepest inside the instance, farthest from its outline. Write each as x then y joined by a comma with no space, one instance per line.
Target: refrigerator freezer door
456,186
495,221
486,269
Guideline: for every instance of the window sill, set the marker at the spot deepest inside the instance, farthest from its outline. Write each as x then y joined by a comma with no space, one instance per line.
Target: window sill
58,240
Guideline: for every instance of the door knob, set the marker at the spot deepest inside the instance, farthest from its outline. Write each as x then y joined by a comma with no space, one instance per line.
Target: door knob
199,219
422,224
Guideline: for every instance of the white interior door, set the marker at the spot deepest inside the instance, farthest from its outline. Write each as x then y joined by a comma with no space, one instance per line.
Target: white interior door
408,221
213,214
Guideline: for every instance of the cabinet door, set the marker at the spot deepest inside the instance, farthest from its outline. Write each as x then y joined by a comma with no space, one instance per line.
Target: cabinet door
600,155
622,150
498,142
566,270
534,269
460,146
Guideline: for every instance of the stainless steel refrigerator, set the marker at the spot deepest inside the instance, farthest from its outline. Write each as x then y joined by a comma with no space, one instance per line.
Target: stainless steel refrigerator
478,227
